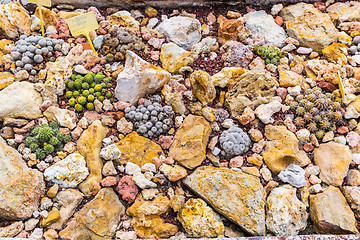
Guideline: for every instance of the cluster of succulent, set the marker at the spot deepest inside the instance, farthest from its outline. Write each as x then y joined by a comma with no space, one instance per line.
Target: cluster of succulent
117,42
82,90
271,55
151,119
45,139
317,111
234,142
30,51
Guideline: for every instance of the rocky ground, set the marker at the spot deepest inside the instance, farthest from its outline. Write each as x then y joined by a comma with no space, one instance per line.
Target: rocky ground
216,121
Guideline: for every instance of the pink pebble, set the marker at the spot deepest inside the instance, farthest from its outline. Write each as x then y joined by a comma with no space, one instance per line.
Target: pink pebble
353,139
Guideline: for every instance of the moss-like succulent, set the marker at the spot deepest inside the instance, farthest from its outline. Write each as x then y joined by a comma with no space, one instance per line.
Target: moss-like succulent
271,55
45,139
317,111
84,89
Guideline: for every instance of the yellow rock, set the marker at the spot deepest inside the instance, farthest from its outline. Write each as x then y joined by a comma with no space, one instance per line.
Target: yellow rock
333,168
189,144
344,38
65,15
282,149
255,159
173,57
177,202
14,20
238,196
356,103
138,149
49,17
202,87
98,219
124,19
251,170
227,76
61,155
142,207
336,53
51,193
53,216
6,79
4,42
89,145
153,227
150,11
354,34
199,220
290,78
331,214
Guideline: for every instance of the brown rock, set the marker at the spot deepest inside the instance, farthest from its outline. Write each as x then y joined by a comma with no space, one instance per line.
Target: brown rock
333,160
331,214
282,149
98,219
290,78
228,29
20,186
89,145
138,149
238,196
49,16
202,87
189,144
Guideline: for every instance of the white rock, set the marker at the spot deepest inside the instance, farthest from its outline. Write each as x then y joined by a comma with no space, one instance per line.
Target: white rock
109,169
315,188
265,111
126,235
294,175
351,112
110,152
37,234
124,126
228,123
98,41
68,173
152,22
304,50
140,180
80,69
36,23
261,23
184,31
149,167
303,135
276,9
51,30
132,168
356,157
208,44
20,99
216,151
31,224
294,91
138,79
340,139
64,117
356,58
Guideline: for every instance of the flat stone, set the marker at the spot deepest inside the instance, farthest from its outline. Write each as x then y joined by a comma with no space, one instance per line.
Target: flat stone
137,149
261,23
14,20
227,76
250,89
138,79
184,31
69,172
26,105
199,220
64,117
12,230
189,144
309,26
238,196
333,160
68,200
342,12
20,186
98,219
285,214
331,214
89,146
173,57
282,149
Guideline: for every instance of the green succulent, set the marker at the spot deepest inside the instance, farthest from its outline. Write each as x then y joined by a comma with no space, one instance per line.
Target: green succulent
34,147
48,148
40,154
45,134
54,141
66,139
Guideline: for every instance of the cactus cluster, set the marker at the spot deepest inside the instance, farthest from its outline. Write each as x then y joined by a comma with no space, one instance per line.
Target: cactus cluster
271,55
46,139
317,111
82,90
31,51
117,42
151,118
234,142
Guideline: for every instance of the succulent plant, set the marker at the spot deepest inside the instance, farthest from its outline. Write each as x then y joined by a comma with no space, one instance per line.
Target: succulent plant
151,118
234,142
317,111
271,55
45,139
82,90
31,51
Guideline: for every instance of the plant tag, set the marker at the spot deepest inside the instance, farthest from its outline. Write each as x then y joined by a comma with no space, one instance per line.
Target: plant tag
341,86
40,4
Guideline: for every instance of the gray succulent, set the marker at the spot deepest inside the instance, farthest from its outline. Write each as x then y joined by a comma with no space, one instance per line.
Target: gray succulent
234,142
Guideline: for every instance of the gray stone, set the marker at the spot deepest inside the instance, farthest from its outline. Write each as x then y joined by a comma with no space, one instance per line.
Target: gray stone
293,175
